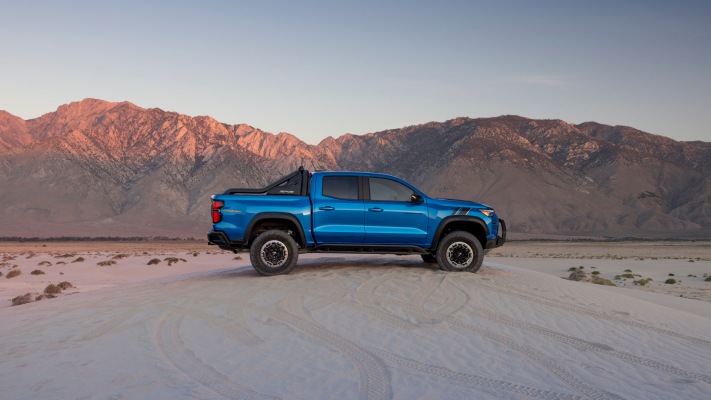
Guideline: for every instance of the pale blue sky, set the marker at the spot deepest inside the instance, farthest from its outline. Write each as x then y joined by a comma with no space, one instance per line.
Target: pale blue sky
320,68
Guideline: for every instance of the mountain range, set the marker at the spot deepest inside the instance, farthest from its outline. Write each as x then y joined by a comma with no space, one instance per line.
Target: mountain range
98,168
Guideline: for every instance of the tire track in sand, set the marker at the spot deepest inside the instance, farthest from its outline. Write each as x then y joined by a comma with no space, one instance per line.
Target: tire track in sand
173,349
367,293
536,298
374,379
582,344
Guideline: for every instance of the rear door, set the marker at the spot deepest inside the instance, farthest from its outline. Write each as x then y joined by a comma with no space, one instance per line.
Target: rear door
338,213
391,217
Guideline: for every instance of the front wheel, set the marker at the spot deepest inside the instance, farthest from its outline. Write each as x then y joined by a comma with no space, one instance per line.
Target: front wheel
460,251
274,252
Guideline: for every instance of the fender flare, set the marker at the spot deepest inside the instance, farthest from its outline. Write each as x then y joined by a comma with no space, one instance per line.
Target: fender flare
301,240
457,218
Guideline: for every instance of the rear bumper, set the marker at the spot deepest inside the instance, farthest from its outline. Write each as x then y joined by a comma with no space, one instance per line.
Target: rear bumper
500,239
221,240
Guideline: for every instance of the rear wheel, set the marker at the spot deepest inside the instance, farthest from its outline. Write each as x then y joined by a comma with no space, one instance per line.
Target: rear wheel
460,251
274,252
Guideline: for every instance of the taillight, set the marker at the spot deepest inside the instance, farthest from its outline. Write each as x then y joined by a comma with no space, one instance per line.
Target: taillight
216,214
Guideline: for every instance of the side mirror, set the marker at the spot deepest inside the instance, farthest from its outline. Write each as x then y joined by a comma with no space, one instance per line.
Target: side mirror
416,198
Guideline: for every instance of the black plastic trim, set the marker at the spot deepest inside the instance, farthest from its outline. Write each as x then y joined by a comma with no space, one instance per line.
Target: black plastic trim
220,239
456,218
374,249
278,216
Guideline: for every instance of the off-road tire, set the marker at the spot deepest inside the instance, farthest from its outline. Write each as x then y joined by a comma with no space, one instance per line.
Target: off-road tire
274,252
429,258
460,251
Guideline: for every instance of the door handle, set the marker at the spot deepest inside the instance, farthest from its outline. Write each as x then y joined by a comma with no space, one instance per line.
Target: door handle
326,208
376,209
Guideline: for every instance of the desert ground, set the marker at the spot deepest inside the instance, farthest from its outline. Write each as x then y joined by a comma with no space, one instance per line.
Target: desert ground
181,319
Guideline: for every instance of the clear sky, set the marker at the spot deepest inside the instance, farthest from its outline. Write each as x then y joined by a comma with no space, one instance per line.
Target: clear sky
320,68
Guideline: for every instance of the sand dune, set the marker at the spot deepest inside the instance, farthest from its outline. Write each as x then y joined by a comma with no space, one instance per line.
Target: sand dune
350,327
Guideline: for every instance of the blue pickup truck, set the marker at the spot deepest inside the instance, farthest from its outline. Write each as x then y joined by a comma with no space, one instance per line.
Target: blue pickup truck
351,212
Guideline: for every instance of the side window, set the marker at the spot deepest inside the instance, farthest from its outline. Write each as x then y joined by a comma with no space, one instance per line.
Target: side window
341,187
388,190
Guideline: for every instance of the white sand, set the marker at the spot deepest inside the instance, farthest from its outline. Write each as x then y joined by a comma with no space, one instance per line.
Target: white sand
346,327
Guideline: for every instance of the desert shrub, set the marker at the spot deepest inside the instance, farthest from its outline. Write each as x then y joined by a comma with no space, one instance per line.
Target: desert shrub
671,274
195,254
119,256
79,259
577,275
239,258
37,272
153,261
65,285
571,269
172,260
41,263
24,299
628,270
106,263
642,282
39,297
13,273
65,255
596,272
670,281
52,289
690,260
628,276
60,263
602,281
708,279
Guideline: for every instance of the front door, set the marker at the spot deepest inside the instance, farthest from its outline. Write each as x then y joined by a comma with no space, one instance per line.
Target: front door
391,217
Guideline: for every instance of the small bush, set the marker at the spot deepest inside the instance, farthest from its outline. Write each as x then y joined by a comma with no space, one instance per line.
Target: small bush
65,255
13,273
154,261
602,281
195,254
577,275
52,289
239,258
106,263
708,279
65,285
119,256
172,260
24,299
596,272
79,259
571,269
671,274
690,260
642,282
670,281
37,272
628,270
41,263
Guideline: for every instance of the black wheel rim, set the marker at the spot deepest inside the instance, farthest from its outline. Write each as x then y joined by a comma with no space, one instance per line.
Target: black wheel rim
274,254
460,255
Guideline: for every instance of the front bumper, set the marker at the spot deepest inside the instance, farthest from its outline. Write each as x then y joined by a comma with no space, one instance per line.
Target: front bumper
500,239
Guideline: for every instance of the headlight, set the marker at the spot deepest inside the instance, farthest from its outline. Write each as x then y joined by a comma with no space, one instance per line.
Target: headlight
487,211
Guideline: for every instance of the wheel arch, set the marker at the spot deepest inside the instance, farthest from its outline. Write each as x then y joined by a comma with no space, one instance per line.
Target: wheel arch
266,221
473,225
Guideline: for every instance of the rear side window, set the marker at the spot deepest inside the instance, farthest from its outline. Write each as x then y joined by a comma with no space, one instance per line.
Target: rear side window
388,190
341,187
